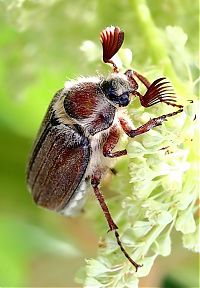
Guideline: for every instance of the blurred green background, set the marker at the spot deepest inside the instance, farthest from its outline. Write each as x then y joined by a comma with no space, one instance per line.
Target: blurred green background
40,45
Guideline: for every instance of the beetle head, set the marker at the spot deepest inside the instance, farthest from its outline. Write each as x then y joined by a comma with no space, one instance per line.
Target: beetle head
118,89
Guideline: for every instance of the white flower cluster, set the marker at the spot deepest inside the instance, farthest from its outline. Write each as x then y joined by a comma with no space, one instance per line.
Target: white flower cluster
162,195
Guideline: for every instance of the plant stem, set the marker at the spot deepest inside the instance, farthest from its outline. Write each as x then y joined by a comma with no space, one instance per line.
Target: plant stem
152,36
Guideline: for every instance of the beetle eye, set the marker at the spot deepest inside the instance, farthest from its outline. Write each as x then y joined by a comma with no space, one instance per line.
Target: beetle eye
108,89
105,86
112,96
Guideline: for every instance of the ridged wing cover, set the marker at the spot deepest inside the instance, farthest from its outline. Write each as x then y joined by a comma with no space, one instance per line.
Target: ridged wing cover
58,162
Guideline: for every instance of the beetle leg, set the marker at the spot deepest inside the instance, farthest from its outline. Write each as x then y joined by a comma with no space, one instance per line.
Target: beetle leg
113,227
144,80
95,183
111,142
147,126
130,75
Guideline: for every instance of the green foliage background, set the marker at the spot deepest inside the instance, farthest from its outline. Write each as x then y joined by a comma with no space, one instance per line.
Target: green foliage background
40,45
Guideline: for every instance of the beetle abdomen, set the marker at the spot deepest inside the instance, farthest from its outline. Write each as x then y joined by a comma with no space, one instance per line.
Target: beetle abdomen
77,200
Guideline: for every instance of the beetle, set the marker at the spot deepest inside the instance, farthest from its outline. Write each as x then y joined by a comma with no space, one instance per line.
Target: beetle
82,126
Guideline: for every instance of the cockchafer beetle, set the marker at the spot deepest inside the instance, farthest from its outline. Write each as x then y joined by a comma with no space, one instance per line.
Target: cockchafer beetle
81,128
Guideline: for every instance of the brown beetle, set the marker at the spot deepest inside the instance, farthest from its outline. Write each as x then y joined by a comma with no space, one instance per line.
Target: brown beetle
82,126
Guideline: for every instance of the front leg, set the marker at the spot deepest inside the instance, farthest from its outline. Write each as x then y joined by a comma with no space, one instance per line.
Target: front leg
147,126
111,142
